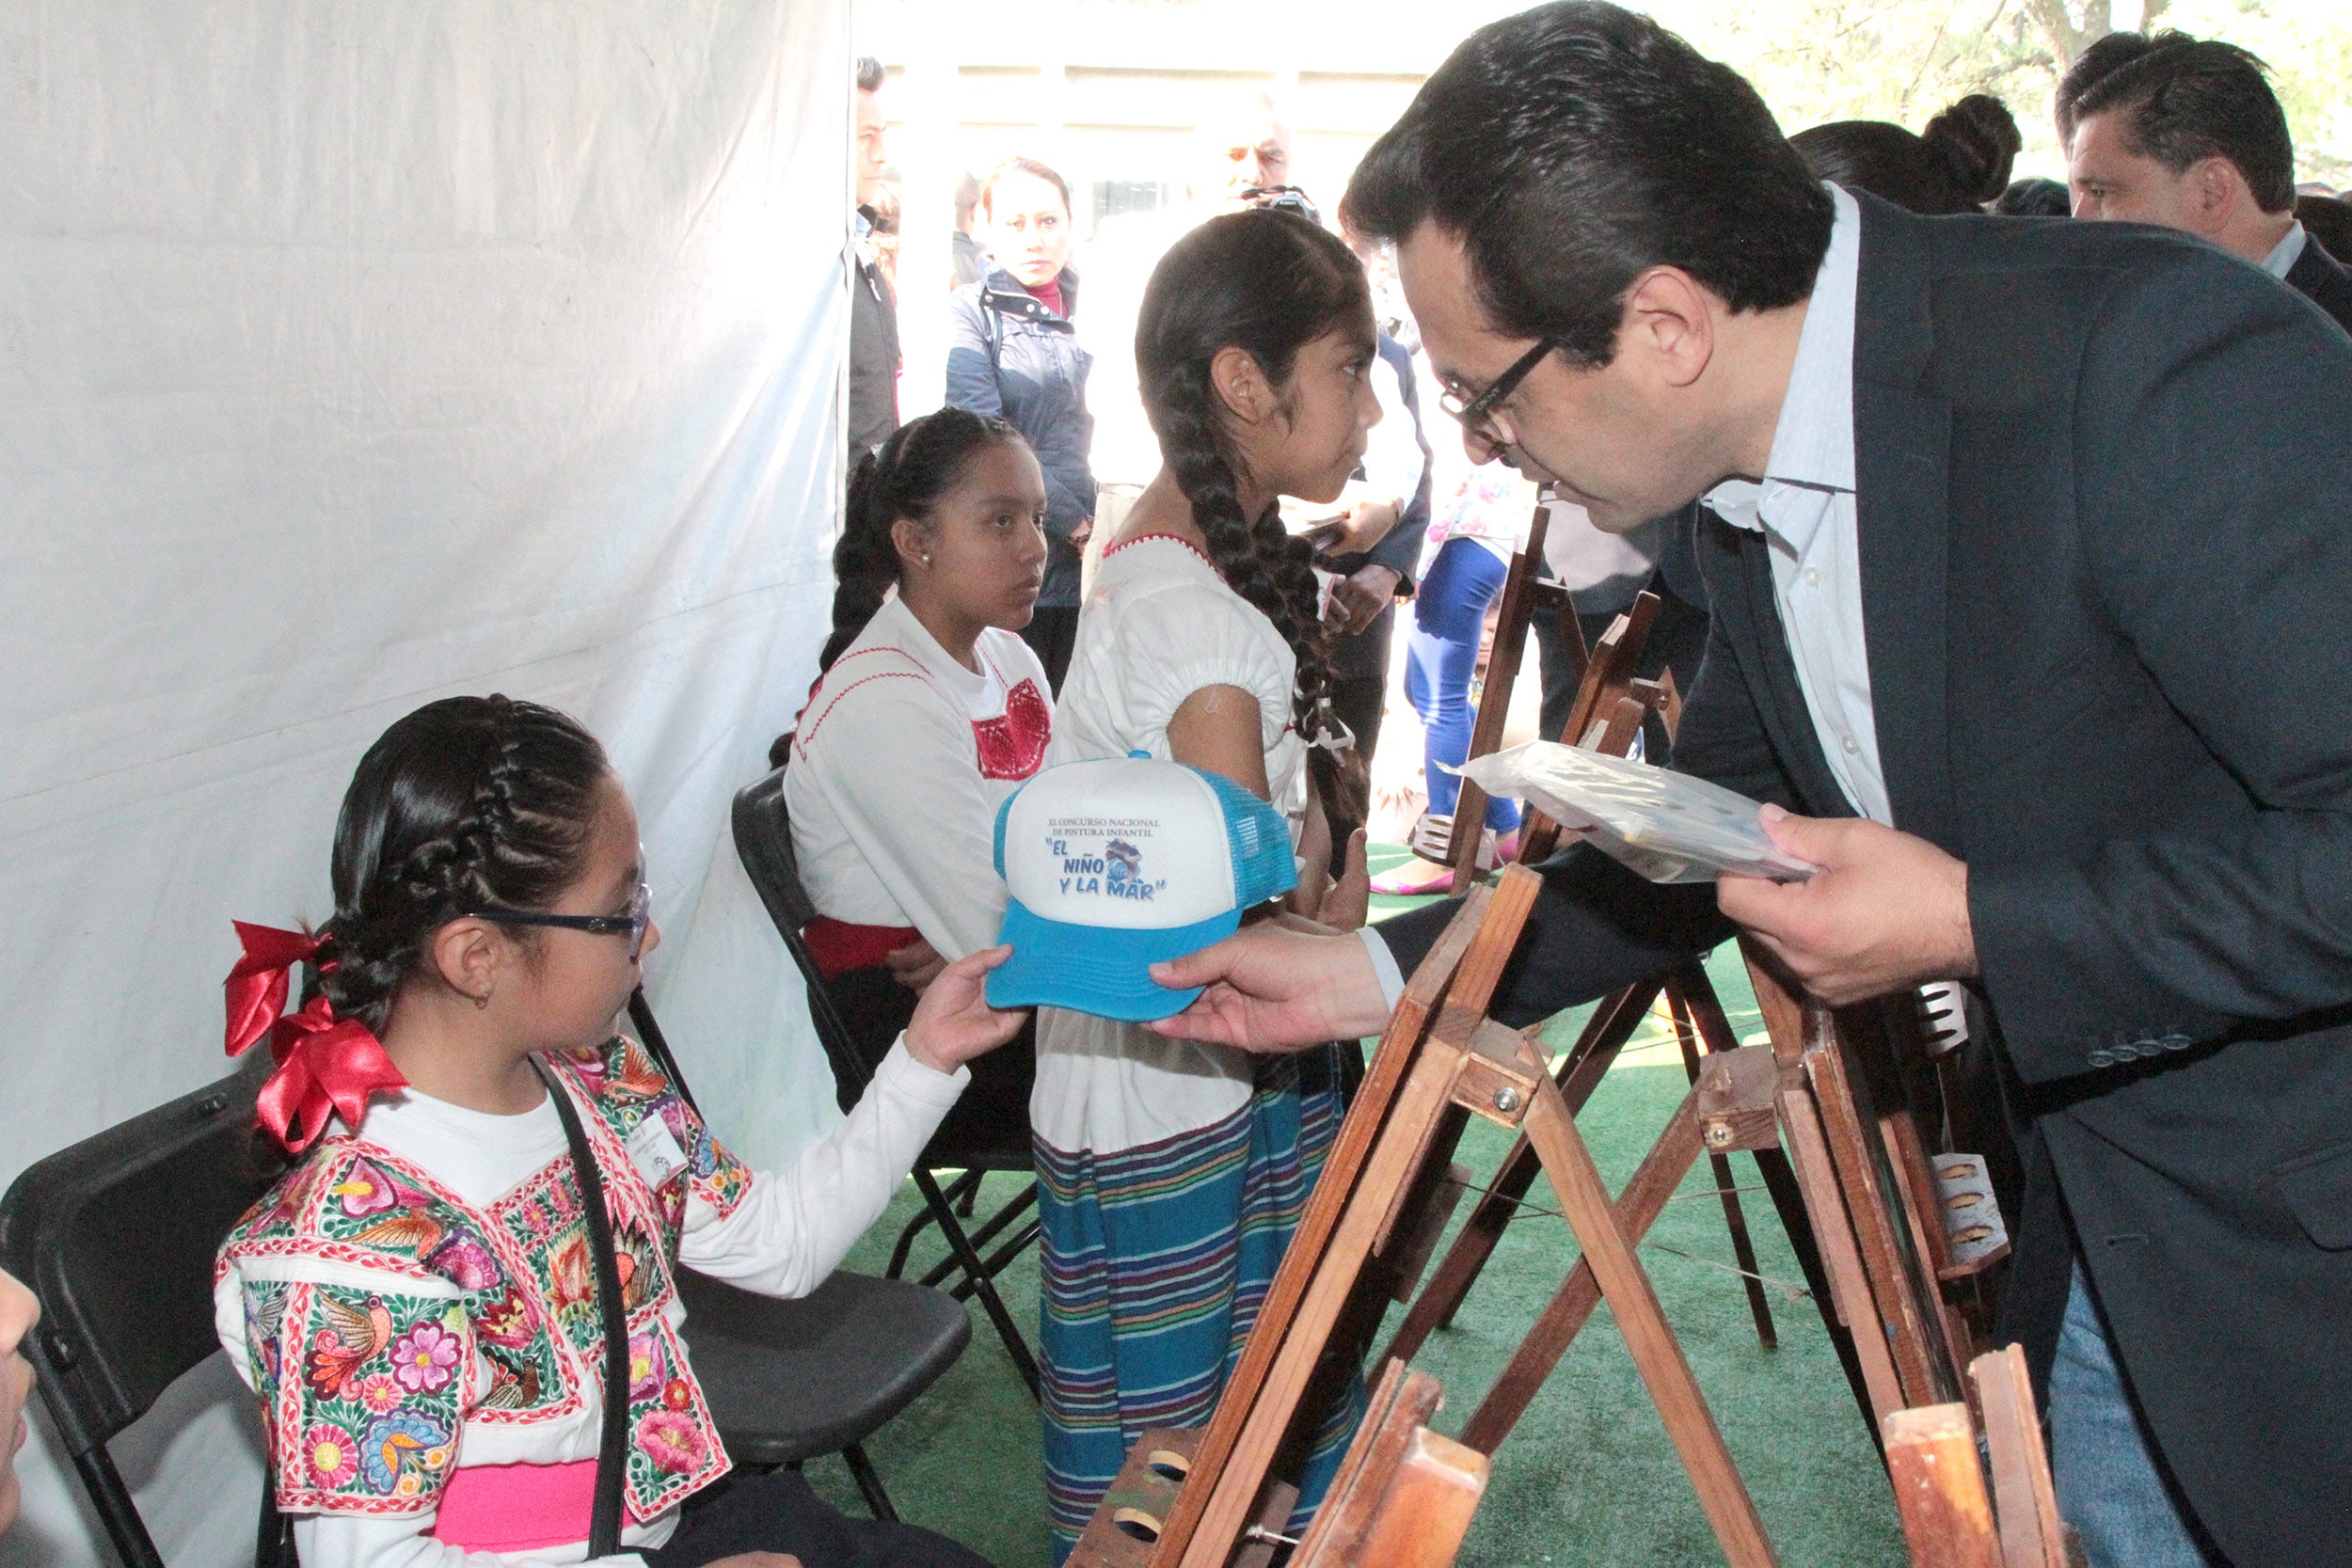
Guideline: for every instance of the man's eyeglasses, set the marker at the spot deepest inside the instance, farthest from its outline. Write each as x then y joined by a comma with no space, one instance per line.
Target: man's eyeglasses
631,923
1478,414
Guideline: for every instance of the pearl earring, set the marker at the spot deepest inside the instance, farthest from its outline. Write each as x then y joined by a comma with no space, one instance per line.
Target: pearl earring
927,559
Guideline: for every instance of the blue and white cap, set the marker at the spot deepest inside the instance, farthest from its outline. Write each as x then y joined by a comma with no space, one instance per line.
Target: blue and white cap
1116,864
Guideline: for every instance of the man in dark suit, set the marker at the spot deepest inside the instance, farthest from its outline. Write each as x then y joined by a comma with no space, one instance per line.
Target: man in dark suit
2186,133
2028,576
873,303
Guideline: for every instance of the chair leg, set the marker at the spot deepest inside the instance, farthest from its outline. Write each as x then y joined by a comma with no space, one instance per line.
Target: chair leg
988,1231
1002,1256
116,1509
868,1484
957,1191
976,1270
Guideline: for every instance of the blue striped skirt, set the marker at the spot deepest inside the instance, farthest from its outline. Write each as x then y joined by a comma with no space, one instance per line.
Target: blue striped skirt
1156,1259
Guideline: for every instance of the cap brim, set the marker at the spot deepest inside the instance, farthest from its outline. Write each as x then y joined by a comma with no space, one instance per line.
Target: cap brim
1089,969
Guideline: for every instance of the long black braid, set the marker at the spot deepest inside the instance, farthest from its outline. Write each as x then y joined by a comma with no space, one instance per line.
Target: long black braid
1268,282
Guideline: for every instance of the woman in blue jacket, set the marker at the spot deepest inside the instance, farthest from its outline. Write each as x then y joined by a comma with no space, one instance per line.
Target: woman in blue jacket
1011,353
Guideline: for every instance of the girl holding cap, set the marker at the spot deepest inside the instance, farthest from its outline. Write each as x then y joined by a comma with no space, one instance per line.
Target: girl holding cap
928,711
1202,642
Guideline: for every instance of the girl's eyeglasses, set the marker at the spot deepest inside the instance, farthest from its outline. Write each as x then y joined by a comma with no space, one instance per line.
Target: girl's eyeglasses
631,923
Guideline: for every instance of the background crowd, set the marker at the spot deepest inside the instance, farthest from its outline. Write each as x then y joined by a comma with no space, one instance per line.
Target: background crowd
2166,128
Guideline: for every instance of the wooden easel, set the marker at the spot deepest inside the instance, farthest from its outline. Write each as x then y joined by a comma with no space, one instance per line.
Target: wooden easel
1918,1231
1902,1237
1610,700
1402,1499
1611,703
1440,1053
1951,1517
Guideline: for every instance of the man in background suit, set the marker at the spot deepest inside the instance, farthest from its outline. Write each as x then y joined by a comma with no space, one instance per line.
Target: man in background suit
2027,573
2186,133
873,303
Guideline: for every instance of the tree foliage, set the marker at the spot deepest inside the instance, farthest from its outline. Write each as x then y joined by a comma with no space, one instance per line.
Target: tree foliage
1903,61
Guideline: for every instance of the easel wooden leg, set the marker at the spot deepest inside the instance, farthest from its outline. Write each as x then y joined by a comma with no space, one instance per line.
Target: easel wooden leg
1657,1355
1678,992
1849,1297
1780,1181
1580,1071
1636,1209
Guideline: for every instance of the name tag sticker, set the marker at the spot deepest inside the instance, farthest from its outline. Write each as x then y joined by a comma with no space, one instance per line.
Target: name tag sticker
654,1152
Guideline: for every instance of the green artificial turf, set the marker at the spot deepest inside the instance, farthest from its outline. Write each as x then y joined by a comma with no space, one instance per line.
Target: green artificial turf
1588,1477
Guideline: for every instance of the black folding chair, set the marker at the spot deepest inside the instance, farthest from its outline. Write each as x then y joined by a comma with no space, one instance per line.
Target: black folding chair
989,1128
115,1235
126,1294
791,1380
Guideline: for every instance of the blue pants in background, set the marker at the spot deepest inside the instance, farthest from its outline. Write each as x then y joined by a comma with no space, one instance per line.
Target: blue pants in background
1449,615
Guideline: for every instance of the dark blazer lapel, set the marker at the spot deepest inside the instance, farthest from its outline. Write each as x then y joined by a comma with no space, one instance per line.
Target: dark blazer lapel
1751,620
1903,449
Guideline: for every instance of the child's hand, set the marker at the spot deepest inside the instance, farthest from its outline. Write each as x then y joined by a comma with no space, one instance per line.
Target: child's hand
954,1022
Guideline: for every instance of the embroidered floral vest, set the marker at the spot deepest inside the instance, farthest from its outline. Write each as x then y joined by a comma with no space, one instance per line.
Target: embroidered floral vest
367,1392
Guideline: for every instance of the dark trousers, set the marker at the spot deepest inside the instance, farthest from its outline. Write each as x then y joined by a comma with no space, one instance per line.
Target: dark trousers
1359,681
988,1127
778,1513
1052,634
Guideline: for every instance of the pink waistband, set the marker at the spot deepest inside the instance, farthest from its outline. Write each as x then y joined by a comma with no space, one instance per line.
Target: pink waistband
516,1507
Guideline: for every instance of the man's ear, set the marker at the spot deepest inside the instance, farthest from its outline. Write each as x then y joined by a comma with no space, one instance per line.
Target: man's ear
2216,187
1242,385
1669,325
466,953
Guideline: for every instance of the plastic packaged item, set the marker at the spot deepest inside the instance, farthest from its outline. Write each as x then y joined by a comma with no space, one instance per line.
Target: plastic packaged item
1669,826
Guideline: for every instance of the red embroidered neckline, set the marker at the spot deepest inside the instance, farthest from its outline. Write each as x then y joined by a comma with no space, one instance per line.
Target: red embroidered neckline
1012,746
1171,538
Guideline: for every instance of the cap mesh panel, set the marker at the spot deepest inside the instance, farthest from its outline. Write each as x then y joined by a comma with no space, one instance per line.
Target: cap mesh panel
1260,840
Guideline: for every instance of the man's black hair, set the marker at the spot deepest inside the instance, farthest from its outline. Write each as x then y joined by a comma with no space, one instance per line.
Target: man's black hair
869,74
2181,100
1572,146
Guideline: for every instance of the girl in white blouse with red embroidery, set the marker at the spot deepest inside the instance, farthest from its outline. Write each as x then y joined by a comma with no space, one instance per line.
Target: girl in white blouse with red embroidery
929,711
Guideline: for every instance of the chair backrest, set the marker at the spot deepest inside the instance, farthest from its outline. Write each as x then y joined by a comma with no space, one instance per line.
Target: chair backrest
763,841
117,1235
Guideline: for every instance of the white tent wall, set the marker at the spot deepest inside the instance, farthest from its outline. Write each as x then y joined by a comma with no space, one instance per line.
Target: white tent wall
353,354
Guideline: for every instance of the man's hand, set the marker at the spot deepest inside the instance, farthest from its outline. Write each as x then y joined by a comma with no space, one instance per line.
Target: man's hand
915,965
1358,599
954,1022
1274,990
1885,910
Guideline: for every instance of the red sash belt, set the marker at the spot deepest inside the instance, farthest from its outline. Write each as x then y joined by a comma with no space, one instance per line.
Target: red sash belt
840,948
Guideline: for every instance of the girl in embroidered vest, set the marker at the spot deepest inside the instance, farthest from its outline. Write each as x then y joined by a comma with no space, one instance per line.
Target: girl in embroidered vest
415,1302
1202,639
928,712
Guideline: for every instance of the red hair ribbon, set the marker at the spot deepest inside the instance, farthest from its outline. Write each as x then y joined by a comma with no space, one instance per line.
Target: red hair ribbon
326,1066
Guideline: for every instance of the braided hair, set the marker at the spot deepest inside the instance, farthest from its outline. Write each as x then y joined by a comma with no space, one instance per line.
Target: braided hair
468,803
1268,282
922,461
